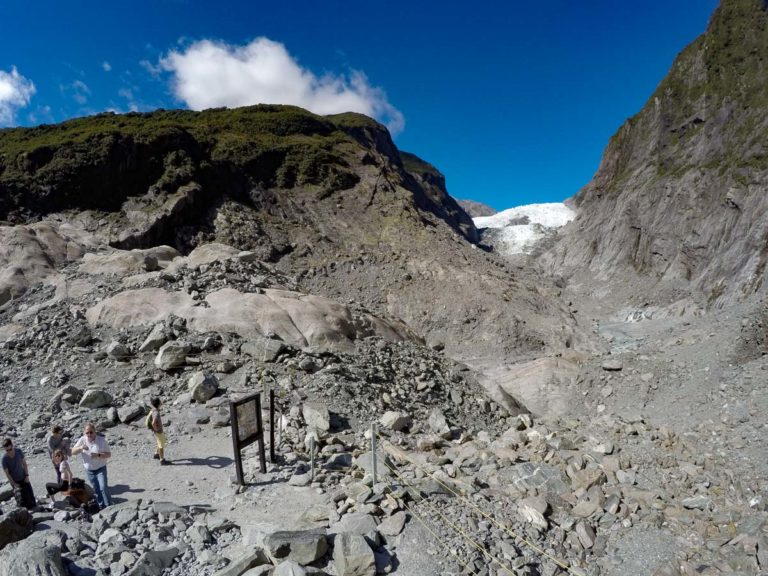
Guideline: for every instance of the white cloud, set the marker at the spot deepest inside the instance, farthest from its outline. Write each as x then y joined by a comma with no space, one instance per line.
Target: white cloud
211,74
106,66
15,92
153,70
78,91
128,94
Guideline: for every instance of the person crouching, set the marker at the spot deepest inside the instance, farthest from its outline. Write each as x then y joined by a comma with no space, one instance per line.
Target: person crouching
64,474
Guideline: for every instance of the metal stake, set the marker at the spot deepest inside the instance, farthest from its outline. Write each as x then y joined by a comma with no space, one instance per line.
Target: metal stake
373,450
312,457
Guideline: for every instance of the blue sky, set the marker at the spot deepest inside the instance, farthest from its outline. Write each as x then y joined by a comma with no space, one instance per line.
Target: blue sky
513,101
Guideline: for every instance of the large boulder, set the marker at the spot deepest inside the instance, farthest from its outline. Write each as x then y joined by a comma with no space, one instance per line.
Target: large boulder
393,525
354,523
542,386
205,254
383,464
301,320
437,422
289,568
128,413
316,416
241,564
172,355
396,421
30,254
15,526
118,350
95,398
153,562
263,349
141,307
202,386
125,262
155,339
352,556
33,556
303,546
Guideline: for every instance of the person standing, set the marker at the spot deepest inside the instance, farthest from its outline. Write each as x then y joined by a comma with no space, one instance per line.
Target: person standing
56,441
157,430
15,467
95,451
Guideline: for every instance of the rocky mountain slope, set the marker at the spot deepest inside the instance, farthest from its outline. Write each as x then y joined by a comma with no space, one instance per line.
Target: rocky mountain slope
329,200
679,201
476,209
198,257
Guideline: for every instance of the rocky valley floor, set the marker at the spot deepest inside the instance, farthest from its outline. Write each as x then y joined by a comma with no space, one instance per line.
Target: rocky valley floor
643,456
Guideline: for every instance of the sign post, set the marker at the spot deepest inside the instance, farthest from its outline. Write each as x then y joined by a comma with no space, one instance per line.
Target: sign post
272,425
247,428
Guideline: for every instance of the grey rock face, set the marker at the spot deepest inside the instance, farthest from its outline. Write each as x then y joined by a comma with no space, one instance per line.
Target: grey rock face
437,422
355,523
352,556
243,563
263,349
128,413
303,546
15,526
316,416
678,197
95,398
118,350
393,525
541,477
172,355
396,421
532,509
203,386
154,340
476,209
153,562
289,568
31,557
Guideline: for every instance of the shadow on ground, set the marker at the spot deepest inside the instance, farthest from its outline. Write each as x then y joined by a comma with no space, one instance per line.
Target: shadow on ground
211,461
123,488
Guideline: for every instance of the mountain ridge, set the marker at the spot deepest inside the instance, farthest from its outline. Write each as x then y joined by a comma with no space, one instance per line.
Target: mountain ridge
329,200
678,198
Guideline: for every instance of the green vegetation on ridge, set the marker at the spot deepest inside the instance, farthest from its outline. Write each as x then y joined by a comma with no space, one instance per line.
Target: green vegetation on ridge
273,146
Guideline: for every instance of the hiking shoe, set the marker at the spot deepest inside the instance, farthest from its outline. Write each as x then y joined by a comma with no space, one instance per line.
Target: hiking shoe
156,456
164,462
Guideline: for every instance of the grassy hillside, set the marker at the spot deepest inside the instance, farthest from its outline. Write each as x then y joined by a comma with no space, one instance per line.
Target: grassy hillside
95,162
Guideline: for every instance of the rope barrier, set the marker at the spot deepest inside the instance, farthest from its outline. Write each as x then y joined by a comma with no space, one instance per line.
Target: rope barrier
479,510
436,537
453,525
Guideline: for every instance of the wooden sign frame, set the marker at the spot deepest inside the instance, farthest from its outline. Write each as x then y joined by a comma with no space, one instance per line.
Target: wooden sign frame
243,419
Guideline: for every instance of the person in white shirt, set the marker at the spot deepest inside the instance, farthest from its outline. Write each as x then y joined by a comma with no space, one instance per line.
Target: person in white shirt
65,474
95,451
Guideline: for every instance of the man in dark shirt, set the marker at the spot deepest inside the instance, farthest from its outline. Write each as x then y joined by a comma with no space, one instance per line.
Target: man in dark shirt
15,468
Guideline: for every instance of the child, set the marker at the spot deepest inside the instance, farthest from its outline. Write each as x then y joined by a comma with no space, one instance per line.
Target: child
157,429
64,473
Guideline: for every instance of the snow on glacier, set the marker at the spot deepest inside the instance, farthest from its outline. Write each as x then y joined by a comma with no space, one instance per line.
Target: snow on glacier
517,230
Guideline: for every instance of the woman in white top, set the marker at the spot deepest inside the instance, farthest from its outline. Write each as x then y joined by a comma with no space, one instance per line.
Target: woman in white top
65,473
95,451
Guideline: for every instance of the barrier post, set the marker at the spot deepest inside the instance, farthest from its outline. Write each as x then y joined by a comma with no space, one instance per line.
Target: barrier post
312,457
373,451
272,425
